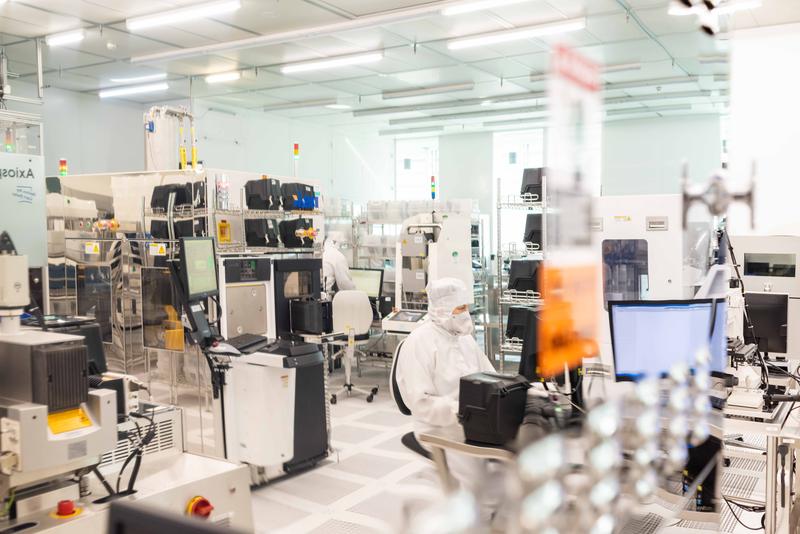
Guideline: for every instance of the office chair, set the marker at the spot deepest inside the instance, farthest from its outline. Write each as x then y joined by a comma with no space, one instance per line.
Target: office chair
352,315
409,439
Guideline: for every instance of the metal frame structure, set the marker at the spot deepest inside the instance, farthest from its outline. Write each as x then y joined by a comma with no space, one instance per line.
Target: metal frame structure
529,203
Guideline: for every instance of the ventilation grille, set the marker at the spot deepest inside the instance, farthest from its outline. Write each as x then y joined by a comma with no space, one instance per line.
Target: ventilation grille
164,440
60,376
657,224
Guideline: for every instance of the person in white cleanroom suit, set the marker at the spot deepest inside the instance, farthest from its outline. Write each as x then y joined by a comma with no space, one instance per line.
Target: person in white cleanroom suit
434,358
334,265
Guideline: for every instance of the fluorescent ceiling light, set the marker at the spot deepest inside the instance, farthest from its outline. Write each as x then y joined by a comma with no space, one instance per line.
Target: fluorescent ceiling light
621,67
516,97
479,5
332,63
303,104
433,90
223,77
182,15
506,36
58,39
640,110
469,115
653,82
338,106
133,90
141,79
707,60
424,129
727,8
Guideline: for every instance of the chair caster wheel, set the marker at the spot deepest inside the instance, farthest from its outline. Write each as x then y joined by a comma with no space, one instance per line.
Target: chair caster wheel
369,398
374,391
333,399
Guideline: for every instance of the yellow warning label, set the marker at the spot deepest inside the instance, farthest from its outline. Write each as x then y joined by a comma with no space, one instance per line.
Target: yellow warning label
68,420
157,249
92,247
622,218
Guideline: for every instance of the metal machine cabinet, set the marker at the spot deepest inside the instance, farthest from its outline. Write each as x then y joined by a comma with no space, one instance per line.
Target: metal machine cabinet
768,264
646,254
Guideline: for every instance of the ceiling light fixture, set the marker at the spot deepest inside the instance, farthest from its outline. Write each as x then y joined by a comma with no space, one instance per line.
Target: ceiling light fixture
424,129
338,106
433,90
640,110
679,10
58,39
182,15
303,104
540,30
141,79
479,5
332,63
223,77
133,90
621,67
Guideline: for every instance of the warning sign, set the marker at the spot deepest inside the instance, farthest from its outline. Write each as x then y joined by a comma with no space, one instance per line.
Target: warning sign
91,247
157,249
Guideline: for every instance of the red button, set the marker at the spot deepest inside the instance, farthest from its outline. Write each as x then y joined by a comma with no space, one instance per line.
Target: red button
65,508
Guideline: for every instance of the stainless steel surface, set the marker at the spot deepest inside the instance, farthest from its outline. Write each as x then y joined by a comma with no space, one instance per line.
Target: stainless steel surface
246,308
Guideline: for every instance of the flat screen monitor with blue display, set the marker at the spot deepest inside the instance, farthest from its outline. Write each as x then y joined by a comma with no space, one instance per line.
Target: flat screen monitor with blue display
649,337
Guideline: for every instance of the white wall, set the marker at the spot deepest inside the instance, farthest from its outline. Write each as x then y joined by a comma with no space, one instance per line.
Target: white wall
465,168
645,156
358,168
93,135
765,127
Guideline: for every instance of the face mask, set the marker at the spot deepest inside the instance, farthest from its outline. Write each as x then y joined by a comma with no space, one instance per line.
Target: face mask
459,324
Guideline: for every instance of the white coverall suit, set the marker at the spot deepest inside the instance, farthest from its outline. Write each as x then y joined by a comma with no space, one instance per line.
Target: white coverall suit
334,267
434,358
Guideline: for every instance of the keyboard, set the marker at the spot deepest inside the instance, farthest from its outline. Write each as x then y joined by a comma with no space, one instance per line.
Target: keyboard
247,341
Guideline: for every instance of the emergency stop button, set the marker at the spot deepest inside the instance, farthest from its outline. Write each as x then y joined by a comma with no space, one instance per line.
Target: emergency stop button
199,507
65,509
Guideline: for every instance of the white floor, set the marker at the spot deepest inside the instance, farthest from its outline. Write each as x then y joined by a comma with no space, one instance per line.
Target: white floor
362,487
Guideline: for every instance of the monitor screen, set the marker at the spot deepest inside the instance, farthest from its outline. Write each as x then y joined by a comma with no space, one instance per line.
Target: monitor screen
649,337
200,267
298,284
368,280
769,314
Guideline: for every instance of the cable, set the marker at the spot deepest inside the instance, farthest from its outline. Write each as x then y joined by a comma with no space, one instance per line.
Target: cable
736,517
10,502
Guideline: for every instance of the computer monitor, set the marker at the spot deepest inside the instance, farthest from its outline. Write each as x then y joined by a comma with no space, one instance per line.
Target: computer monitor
199,267
370,281
769,314
648,337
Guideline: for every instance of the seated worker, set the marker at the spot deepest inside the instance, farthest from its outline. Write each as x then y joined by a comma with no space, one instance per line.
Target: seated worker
335,271
434,358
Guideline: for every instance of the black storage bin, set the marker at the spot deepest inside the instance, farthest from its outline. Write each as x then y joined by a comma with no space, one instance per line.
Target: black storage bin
533,229
491,407
261,232
311,316
532,180
264,194
297,197
289,238
523,275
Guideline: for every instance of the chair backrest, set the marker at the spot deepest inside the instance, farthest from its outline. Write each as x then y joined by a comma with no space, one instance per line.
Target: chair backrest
398,399
352,309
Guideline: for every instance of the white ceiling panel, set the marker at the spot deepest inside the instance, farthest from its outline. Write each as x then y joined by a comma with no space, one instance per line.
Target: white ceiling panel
441,76
693,44
504,67
117,44
528,13
657,19
625,52
360,8
355,87
171,36
26,16
200,65
270,55
372,38
118,69
577,8
304,92
271,16
777,12
615,27
406,58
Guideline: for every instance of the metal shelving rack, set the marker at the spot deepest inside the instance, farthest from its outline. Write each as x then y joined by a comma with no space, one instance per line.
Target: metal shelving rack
530,204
